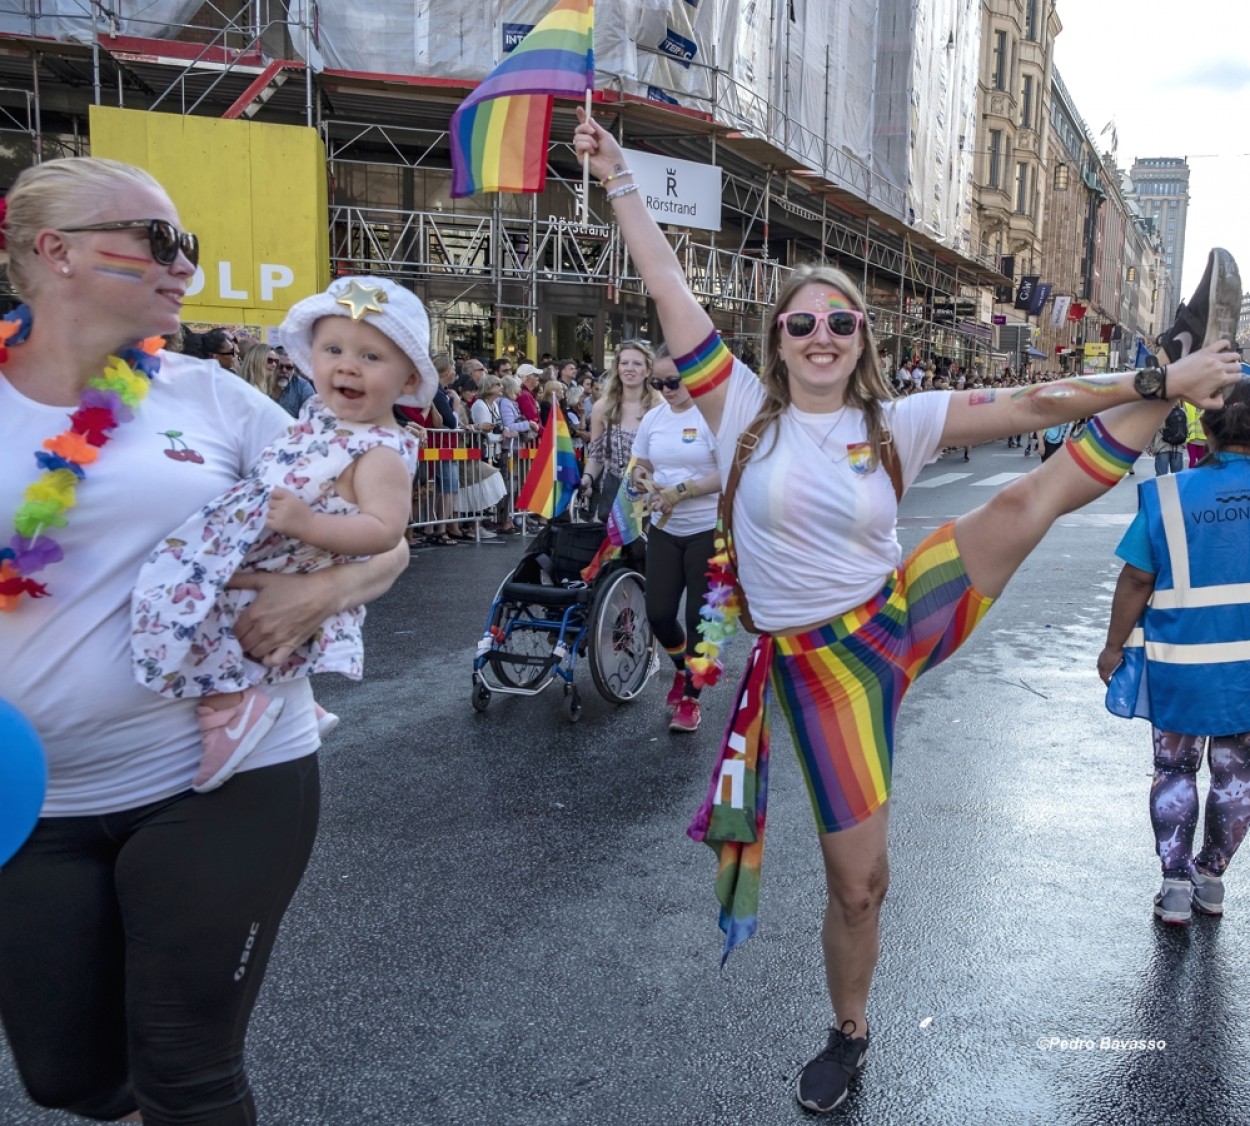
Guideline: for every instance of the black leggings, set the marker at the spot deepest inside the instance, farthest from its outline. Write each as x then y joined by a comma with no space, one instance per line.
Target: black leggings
133,945
677,565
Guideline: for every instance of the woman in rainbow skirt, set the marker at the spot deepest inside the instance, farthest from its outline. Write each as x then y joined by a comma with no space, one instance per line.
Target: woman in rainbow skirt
814,455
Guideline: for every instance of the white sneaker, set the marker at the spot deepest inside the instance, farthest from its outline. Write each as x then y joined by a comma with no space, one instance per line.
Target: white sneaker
1172,904
1208,893
326,721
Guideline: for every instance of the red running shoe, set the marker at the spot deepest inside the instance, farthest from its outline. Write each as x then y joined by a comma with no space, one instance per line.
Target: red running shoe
677,691
686,717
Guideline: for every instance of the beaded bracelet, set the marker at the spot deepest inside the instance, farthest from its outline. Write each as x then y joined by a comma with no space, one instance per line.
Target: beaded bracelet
617,176
616,193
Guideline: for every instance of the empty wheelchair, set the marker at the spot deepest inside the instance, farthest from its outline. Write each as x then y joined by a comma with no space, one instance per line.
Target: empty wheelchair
544,617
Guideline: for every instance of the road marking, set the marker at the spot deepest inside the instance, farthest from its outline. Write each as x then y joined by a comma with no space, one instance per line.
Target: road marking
940,479
997,479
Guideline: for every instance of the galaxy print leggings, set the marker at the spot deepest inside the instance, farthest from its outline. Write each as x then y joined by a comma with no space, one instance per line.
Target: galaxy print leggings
1174,800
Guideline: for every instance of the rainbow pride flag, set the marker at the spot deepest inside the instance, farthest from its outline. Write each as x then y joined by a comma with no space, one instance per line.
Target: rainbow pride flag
499,135
626,520
625,524
554,476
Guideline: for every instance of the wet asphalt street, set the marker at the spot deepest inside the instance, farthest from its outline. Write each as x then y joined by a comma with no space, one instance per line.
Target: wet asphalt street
504,921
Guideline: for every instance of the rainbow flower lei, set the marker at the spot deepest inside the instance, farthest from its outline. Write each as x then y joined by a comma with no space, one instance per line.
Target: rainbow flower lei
720,612
108,401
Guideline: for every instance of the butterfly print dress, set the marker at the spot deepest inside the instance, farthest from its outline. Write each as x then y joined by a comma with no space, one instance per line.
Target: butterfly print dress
182,615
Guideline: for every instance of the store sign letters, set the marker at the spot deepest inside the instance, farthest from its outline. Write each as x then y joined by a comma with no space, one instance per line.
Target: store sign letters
681,192
272,277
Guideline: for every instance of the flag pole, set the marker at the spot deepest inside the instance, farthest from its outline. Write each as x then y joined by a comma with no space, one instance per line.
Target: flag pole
585,202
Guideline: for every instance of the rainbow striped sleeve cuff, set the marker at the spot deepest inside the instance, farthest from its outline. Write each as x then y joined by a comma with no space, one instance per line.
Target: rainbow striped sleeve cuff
707,367
1100,455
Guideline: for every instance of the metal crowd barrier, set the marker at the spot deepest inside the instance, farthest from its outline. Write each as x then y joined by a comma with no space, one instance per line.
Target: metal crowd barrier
447,459
464,449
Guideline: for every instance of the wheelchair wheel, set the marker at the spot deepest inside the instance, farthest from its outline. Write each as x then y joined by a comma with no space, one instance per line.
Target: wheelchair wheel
526,645
481,696
621,642
572,703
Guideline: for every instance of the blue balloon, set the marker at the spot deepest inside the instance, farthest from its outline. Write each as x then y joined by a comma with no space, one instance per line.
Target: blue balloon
23,780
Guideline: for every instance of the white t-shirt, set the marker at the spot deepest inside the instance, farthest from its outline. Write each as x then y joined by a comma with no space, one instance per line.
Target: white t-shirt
680,447
814,516
65,659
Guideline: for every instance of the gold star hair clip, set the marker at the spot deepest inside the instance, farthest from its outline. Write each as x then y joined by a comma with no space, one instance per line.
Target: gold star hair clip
362,299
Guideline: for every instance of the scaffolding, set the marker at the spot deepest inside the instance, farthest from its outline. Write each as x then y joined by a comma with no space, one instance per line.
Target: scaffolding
505,264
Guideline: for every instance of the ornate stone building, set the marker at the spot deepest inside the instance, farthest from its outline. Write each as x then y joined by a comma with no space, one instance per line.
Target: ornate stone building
1017,48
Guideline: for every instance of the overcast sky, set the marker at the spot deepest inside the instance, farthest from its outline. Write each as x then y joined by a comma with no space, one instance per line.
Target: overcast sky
1175,78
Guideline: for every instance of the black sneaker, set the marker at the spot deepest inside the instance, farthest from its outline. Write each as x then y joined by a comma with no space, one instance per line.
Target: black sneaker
1212,311
823,1083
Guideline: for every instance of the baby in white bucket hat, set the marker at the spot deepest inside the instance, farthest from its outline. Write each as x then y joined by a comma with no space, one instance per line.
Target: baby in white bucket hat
336,487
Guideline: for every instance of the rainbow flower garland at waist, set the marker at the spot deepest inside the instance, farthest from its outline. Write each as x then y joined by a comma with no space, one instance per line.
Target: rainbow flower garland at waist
108,401
720,613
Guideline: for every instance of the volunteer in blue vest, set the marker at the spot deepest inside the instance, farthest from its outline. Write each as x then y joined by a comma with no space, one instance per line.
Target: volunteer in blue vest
1178,654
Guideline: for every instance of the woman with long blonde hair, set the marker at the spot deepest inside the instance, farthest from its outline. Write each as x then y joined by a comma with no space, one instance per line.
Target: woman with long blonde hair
815,457
258,365
615,419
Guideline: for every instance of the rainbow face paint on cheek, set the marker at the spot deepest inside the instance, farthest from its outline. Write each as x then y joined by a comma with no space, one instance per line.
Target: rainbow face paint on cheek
123,266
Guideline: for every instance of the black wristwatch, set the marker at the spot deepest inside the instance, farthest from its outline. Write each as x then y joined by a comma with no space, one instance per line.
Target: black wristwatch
1151,383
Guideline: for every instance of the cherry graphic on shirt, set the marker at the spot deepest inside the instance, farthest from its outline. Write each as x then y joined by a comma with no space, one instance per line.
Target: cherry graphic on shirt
186,453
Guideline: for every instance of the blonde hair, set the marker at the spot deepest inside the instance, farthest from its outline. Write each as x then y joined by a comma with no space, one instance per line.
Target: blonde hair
511,385
608,404
254,368
69,192
867,388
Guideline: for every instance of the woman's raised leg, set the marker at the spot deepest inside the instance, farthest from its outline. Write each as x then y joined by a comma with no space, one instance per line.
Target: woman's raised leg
995,539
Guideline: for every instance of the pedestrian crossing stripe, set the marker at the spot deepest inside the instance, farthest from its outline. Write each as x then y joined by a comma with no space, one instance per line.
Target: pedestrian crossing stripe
940,479
997,479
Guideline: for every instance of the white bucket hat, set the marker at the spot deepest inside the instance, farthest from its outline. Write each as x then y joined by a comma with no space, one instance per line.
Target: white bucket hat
394,311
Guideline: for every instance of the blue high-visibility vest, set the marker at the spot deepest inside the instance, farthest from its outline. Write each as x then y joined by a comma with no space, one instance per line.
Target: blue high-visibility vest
1187,664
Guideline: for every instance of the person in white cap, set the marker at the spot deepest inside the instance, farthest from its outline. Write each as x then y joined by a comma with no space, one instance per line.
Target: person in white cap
337,486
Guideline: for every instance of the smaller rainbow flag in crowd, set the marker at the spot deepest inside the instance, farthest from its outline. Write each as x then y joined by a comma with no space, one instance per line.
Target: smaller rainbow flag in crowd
554,476
500,133
625,524
625,521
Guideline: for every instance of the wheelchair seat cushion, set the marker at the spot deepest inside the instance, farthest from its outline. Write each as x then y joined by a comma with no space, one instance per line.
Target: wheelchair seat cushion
540,594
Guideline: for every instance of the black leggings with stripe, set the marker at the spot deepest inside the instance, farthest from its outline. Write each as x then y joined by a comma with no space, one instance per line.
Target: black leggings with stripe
677,565
133,945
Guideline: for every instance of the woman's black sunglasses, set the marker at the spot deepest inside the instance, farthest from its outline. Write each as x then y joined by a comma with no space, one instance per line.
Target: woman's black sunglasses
669,384
164,239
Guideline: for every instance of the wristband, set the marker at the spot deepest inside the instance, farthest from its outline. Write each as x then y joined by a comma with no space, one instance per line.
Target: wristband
684,490
617,176
626,189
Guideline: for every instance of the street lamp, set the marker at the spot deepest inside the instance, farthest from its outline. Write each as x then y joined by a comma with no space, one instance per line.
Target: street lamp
1061,178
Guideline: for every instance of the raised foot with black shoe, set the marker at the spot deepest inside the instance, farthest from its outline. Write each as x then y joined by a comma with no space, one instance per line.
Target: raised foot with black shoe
1211,313
824,1082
